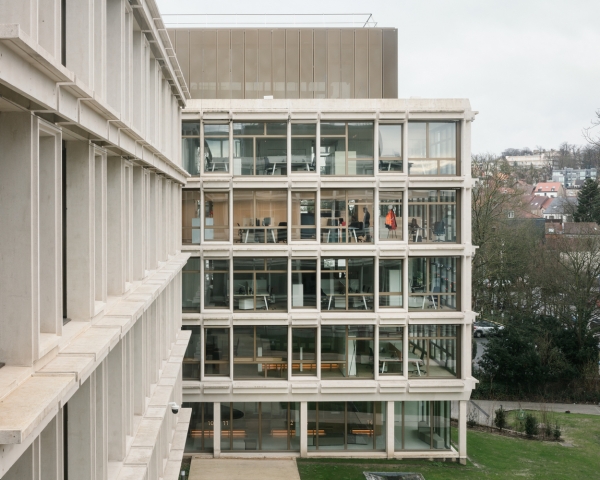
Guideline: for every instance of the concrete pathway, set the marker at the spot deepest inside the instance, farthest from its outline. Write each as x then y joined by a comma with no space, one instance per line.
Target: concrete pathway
247,469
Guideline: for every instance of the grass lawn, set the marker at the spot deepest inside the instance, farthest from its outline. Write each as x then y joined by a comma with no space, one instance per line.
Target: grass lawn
492,456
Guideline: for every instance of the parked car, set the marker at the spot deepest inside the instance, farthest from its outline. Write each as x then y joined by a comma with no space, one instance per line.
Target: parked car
484,328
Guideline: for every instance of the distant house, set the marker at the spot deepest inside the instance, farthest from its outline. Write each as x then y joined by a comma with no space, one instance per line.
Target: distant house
535,204
549,189
560,208
536,160
573,177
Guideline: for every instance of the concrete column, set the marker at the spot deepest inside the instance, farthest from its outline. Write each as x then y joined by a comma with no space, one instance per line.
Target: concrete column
139,366
138,58
116,226
217,429
50,450
390,418
101,427
128,225
81,426
139,223
80,39
19,248
151,237
49,26
50,224
25,467
462,431
303,427
117,402
100,219
115,29
99,48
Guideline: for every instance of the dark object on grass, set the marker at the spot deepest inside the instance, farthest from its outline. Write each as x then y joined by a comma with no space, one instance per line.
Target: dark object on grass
393,476
567,411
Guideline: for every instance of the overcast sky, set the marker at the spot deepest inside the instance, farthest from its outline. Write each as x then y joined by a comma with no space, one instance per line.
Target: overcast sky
530,67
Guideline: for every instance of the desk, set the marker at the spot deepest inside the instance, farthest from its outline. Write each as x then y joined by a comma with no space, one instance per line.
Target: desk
270,230
301,162
246,302
384,360
340,301
223,163
415,232
353,230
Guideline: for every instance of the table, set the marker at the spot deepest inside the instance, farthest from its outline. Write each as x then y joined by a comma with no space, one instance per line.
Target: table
246,302
269,229
414,360
224,163
353,230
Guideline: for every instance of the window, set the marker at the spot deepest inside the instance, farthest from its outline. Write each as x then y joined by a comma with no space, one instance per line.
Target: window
304,283
390,147
432,148
390,350
260,284
390,283
304,151
260,352
200,432
216,216
216,147
433,283
346,426
264,426
347,283
216,352
347,351
190,147
190,369
260,148
304,351
190,213
434,351
303,216
432,216
390,215
260,216
346,216
190,286
216,284
422,425
347,148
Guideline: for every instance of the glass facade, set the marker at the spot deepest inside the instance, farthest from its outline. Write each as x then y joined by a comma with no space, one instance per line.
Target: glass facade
190,216
262,426
216,147
260,284
356,426
216,216
304,351
432,216
304,147
191,358
390,282
346,216
347,283
391,348
260,352
304,283
390,147
423,425
433,283
303,216
432,148
434,351
190,286
390,215
260,216
347,148
216,352
190,146
347,351
216,284
260,148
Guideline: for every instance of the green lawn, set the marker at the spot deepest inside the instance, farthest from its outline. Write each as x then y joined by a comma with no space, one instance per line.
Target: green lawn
492,456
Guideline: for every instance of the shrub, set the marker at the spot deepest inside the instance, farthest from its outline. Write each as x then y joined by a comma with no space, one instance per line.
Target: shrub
531,425
500,419
556,432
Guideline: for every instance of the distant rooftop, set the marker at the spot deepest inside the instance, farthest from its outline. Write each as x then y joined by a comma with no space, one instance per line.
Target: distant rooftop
261,20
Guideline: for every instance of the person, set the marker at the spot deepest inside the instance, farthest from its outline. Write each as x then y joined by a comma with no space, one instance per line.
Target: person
390,220
342,223
367,223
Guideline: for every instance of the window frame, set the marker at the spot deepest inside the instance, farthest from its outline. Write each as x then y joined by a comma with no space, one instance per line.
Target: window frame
255,139
428,157
367,297
346,136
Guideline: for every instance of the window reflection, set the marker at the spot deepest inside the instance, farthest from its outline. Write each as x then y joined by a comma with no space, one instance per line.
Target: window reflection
347,351
347,283
260,352
390,147
432,216
347,148
303,215
433,351
433,283
432,148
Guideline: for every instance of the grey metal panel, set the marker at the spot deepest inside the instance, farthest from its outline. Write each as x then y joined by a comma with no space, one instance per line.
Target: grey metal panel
306,63
390,63
347,63
251,63
375,63
292,63
333,63
209,64
181,44
223,64
195,63
361,63
320,59
278,52
237,64
264,63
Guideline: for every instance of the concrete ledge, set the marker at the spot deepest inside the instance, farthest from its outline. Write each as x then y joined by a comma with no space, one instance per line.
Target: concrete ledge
23,409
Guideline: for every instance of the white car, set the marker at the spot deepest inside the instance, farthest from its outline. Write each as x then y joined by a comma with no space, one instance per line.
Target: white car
484,328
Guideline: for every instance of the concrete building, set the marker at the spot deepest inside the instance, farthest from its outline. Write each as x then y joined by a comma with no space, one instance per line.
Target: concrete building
90,248
573,177
328,293
535,160
549,189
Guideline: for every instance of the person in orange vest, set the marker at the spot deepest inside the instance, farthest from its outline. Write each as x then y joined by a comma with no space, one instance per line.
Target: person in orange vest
390,220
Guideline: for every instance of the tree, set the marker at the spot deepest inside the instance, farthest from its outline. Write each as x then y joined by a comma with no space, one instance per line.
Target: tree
588,209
